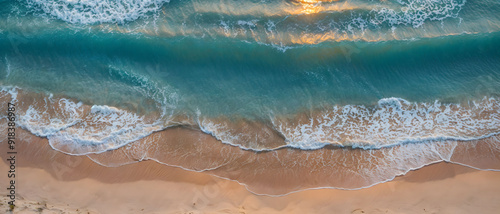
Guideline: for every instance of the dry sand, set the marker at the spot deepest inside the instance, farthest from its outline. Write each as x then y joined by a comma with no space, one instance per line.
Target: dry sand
52,182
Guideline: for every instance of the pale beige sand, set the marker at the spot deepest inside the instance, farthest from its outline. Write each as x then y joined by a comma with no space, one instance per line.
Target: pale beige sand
69,184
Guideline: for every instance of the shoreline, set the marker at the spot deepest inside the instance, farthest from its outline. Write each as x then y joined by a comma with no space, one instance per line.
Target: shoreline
419,191
70,183
282,131
276,173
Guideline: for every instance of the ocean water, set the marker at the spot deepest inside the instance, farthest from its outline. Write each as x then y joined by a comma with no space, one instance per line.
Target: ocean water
354,92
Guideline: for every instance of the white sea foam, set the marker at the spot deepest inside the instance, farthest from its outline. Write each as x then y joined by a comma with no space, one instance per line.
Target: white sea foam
393,121
72,129
250,24
104,128
11,91
408,12
78,129
416,12
40,122
75,128
97,11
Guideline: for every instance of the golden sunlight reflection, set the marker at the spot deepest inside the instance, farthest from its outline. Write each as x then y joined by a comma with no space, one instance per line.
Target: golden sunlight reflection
316,6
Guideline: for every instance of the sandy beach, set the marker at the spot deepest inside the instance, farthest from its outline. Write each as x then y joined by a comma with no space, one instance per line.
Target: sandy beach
51,182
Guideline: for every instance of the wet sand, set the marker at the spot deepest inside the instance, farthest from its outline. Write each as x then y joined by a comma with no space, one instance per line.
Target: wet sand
52,182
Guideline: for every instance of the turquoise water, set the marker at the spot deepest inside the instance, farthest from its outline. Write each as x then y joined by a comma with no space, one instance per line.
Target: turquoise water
231,77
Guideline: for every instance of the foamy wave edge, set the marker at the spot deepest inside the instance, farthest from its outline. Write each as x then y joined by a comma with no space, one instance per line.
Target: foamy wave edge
96,11
393,121
76,129
420,154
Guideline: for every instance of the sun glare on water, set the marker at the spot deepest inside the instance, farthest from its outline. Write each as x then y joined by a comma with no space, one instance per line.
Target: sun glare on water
316,6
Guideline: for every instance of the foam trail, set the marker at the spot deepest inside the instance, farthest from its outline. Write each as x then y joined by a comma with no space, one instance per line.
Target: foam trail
393,121
416,12
104,128
78,129
97,11
372,21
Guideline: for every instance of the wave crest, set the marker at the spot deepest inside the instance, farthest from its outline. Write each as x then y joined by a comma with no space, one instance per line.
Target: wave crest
96,11
76,128
392,122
